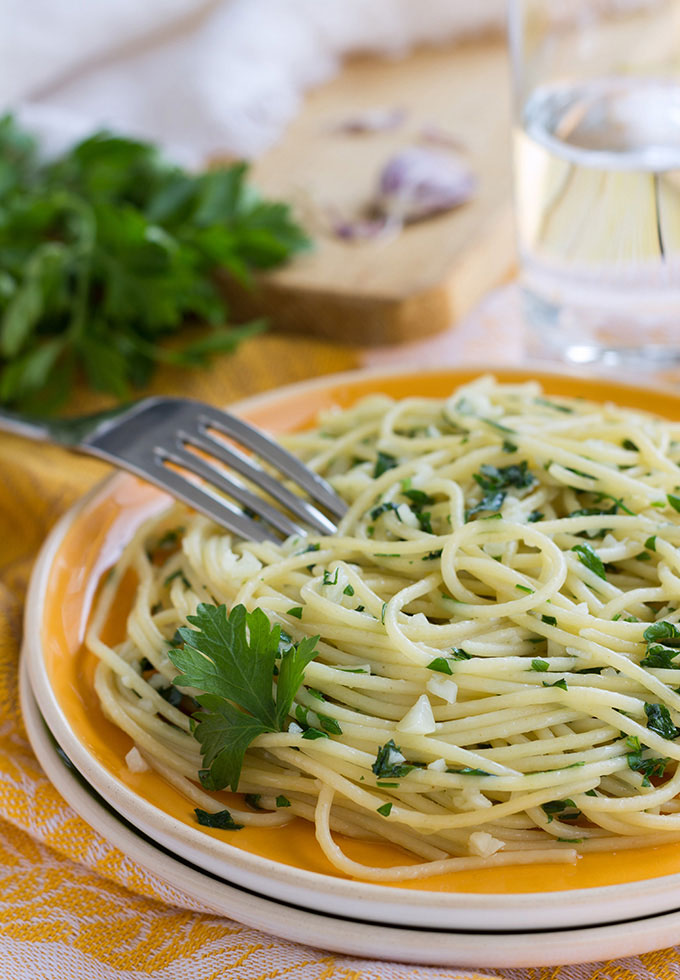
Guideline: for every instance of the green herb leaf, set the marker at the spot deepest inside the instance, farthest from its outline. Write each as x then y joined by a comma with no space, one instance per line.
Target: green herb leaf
466,771
674,501
558,807
231,659
661,631
493,478
222,820
659,721
661,657
383,508
389,762
440,664
490,502
540,665
282,801
385,809
590,559
384,462
561,683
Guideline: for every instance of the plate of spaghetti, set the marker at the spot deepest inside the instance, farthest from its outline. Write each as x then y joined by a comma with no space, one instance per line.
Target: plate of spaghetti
460,710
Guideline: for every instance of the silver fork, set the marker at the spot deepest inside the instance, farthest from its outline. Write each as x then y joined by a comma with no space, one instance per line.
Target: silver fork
163,439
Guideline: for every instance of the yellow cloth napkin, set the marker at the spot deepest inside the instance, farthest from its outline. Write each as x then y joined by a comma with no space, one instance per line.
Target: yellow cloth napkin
71,905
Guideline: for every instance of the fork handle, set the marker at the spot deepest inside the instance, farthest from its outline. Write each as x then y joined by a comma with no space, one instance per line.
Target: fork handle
30,428
69,432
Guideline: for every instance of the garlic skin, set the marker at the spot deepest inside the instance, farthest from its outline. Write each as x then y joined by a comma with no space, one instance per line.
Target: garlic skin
420,181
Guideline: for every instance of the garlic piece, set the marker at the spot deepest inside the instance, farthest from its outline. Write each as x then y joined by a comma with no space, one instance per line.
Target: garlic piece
419,719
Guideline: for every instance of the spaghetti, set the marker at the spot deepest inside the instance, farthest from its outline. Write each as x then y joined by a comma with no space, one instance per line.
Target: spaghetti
496,674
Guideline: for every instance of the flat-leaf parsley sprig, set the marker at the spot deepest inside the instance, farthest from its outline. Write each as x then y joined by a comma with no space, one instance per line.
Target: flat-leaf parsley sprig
232,659
108,250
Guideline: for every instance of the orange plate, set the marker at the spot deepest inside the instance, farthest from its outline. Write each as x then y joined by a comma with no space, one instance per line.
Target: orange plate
94,539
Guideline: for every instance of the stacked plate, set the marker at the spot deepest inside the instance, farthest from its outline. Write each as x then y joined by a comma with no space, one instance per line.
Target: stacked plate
595,911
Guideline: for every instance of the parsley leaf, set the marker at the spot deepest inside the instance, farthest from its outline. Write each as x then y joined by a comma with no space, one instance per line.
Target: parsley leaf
222,820
660,657
501,477
558,808
661,631
590,559
650,767
383,463
659,721
231,660
491,502
390,762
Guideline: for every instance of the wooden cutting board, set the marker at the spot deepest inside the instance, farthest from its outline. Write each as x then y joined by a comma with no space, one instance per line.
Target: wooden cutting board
419,281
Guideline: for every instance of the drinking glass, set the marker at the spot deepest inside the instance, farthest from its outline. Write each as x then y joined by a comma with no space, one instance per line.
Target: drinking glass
597,176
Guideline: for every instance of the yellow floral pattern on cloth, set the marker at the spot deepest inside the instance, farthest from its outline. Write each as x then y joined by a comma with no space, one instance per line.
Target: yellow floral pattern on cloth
71,905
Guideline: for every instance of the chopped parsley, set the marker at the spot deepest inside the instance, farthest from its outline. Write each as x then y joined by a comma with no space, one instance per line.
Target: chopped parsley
348,590
661,631
650,768
440,664
222,820
314,733
661,657
590,559
659,721
557,808
554,405
329,724
540,665
384,508
493,478
282,801
383,463
418,498
389,762
385,809
467,771
490,502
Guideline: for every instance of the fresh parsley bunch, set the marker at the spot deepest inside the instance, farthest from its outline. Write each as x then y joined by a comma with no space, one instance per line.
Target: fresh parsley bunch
107,251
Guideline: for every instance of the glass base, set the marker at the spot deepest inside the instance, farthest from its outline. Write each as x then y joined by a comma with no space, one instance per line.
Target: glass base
582,335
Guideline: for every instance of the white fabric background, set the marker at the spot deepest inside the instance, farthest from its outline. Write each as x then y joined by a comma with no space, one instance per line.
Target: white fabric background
200,75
